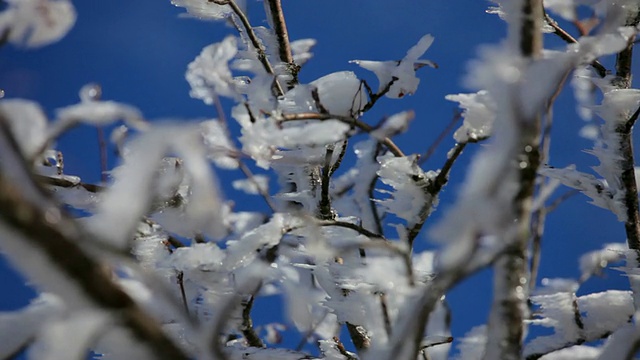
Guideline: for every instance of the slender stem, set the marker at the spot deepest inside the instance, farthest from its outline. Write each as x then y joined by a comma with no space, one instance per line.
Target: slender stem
433,189
102,145
324,205
627,163
456,117
55,238
564,35
506,321
280,28
180,280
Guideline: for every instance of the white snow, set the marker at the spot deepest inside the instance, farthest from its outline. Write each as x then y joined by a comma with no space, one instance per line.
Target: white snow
35,23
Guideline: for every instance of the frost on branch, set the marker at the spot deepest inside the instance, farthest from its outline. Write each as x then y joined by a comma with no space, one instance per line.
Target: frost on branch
209,74
220,148
578,319
35,23
404,70
617,107
479,114
129,198
19,327
207,10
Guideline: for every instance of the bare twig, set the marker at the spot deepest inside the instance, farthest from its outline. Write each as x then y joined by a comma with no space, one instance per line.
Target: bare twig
56,238
180,280
457,116
324,205
354,227
374,97
433,188
243,167
627,163
102,145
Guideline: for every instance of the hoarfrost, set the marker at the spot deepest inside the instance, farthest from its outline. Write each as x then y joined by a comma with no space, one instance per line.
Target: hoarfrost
301,50
128,199
341,93
472,345
479,114
209,74
577,352
35,23
403,71
409,183
599,191
207,10
27,122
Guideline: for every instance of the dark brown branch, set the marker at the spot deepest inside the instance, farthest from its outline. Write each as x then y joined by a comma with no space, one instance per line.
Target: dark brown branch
342,350
180,281
374,97
280,28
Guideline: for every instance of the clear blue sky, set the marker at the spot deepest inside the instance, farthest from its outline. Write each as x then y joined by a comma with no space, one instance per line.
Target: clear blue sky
138,51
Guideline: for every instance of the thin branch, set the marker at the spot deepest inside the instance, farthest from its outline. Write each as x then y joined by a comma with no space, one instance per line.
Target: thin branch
324,205
627,163
102,146
564,35
262,56
342,350
180,281
457,116
243,167
57,237
247,325
358,228
432,189
395,150
385,314
374,97
280,28
358,336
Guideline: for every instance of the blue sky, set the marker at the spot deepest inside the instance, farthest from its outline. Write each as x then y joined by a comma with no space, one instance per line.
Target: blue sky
138,51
